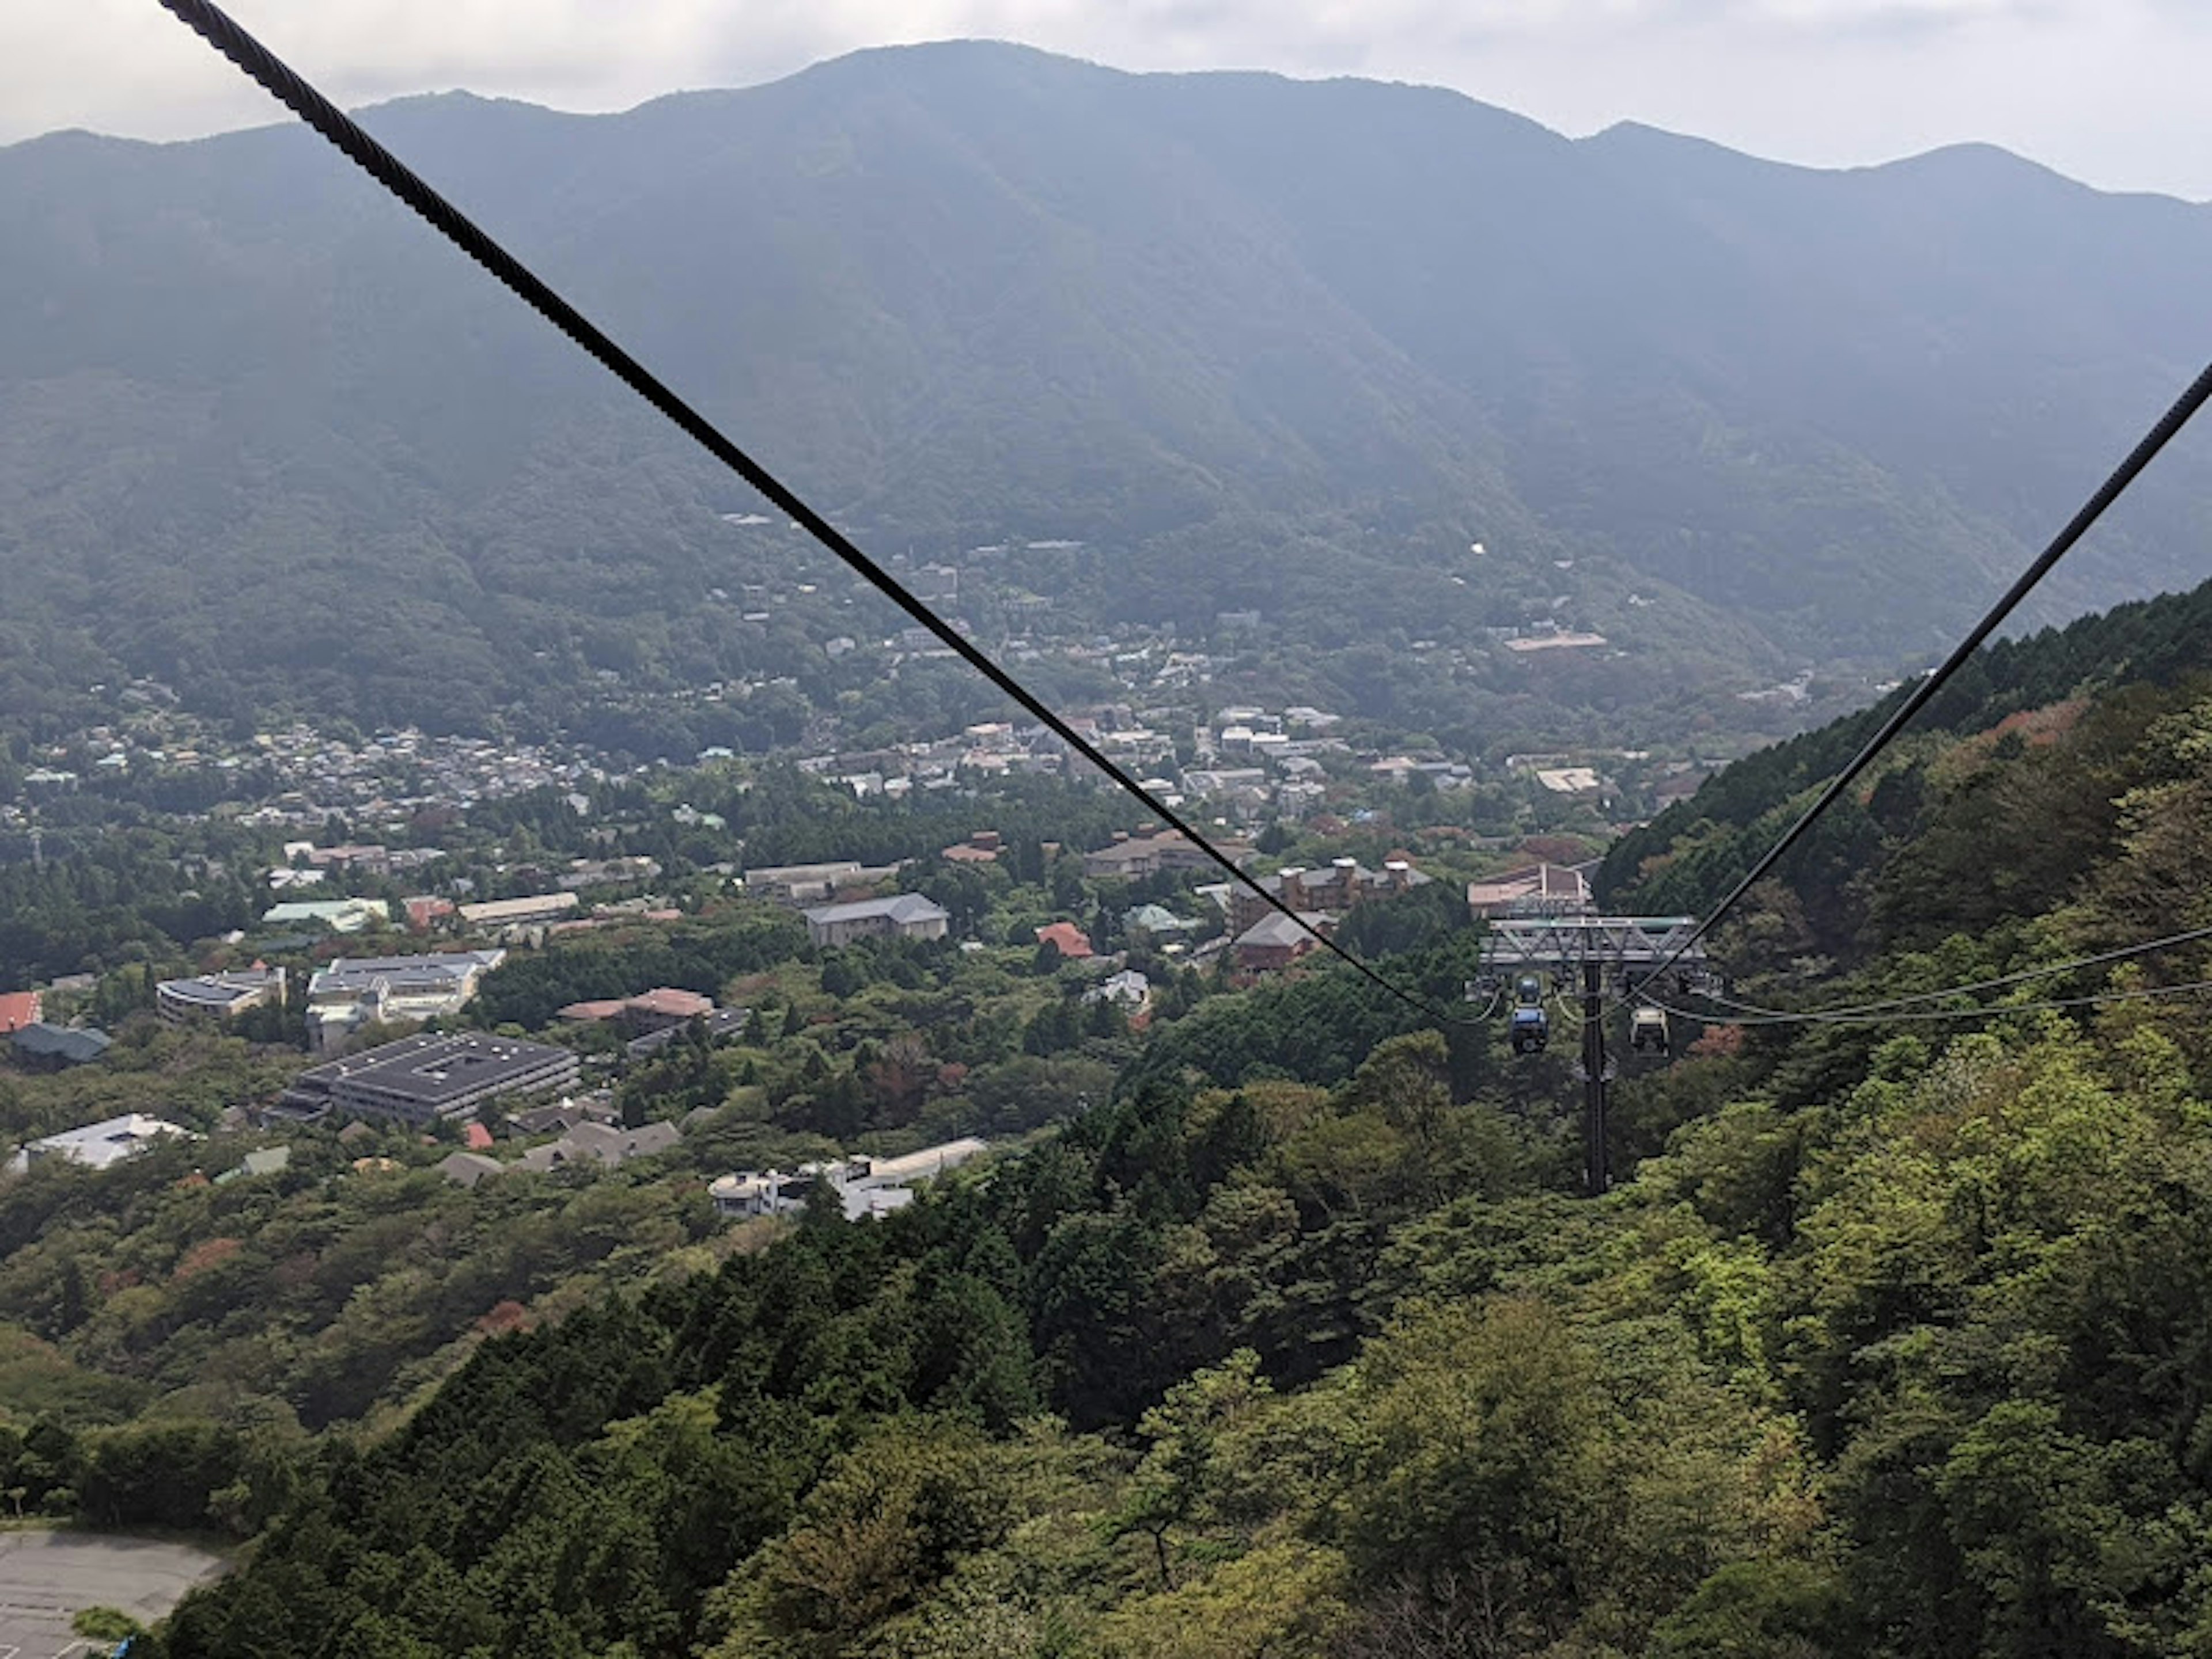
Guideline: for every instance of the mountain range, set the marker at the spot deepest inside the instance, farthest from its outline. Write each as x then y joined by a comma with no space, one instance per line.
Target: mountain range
1255,342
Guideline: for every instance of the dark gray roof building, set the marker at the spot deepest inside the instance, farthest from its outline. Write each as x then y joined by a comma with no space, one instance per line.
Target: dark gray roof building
418,1078
62,1045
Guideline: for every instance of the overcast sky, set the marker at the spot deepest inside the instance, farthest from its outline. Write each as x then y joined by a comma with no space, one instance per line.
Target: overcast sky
2106,90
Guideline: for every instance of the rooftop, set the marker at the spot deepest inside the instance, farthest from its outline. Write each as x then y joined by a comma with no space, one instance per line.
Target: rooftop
901,908
431,1070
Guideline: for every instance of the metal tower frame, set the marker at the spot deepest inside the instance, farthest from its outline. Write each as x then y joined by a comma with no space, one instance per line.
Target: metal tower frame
1586,948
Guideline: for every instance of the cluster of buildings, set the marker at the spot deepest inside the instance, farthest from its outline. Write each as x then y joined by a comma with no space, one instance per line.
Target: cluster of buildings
588,1144
351,992
863,1185
653,1018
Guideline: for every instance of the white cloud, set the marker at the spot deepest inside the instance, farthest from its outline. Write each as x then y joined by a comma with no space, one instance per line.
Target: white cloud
1827,82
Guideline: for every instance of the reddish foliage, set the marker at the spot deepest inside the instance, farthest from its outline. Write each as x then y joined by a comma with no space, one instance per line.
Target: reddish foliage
201,1257
1719,1040
509,1315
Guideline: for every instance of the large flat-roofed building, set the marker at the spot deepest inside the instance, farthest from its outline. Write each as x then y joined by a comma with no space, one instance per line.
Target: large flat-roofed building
910,915
520,912
811,883
353,991
216,997
419,1079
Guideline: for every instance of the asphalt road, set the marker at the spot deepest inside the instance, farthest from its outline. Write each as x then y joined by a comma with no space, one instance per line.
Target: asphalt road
46,1576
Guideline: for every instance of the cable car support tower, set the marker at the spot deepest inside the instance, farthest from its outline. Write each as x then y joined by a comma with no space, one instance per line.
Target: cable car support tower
1584,951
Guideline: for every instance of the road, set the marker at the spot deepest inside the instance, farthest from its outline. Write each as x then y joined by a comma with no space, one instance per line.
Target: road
46,1576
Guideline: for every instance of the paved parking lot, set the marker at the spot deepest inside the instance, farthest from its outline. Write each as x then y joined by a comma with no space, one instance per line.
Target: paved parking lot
46,1576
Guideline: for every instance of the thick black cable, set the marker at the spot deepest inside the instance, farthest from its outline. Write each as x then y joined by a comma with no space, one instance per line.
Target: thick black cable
223,32
2168,425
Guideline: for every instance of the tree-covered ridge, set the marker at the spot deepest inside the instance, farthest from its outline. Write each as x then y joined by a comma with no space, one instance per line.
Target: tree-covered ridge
1688,857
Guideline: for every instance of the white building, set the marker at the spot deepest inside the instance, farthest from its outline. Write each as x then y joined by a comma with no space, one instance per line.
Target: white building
353,992
99,1145
867,1185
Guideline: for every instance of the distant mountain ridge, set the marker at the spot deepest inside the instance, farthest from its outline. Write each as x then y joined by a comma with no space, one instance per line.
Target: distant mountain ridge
256,428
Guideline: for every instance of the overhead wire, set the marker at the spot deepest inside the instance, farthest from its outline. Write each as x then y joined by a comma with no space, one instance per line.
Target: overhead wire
2162,432
277,77
2054,970
1988,1010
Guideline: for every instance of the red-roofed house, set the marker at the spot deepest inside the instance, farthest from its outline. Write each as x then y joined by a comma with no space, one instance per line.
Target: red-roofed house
1541,889
1067,938
657,1010
426,910
478,1137
590,1013
19,1009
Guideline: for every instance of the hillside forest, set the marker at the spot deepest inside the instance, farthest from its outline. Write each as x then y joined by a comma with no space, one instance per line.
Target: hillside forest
1295,1340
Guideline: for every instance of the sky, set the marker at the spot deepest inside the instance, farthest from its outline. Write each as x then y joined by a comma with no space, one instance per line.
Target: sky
2107,91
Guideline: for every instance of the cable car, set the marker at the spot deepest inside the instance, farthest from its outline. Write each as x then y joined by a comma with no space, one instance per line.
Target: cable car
1528,990
1531,1029
1647,1029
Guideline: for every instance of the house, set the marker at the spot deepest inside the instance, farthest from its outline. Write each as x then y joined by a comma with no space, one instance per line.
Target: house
1540,890
866,1186
982,848
422,1079
606,1143
1345,883
269,1160
721,1025
58,1046
1129,988
19,1009
908,915
1157,922
425,910
1276,941
214,997
1067,938
99,1145
562,1115
467,1169
1147,854
660,1009
352,992
347,915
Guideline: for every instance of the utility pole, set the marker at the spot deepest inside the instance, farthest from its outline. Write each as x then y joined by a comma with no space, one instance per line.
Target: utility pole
1579,948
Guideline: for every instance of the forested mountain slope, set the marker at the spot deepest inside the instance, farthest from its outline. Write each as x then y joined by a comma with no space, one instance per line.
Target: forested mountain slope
1890,1344
261,436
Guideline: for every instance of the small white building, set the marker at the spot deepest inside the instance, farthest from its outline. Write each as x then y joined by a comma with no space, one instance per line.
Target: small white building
101,1145
867,1185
